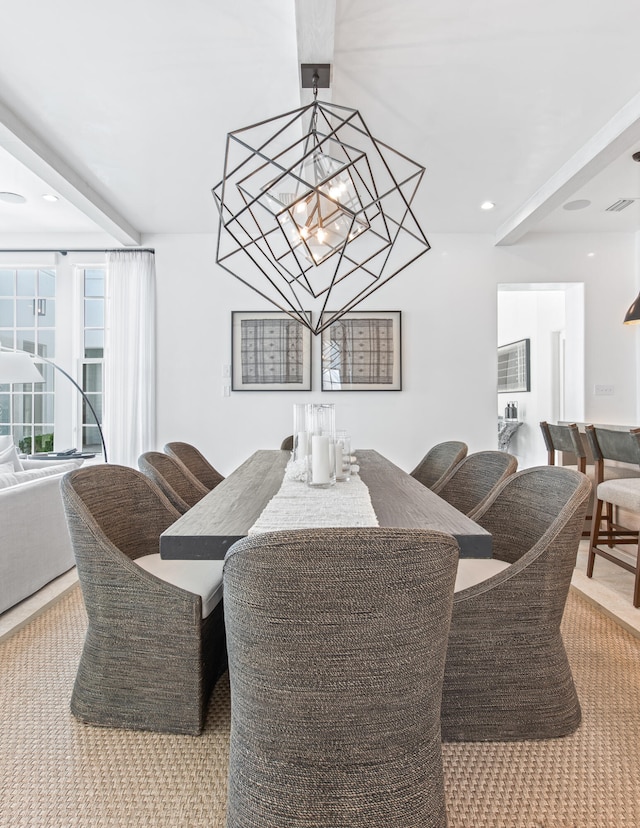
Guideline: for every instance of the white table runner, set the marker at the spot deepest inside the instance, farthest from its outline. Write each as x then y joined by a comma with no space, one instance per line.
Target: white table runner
299,506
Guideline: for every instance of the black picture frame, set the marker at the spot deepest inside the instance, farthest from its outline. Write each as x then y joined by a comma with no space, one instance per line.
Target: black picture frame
514,367
270,351
362,351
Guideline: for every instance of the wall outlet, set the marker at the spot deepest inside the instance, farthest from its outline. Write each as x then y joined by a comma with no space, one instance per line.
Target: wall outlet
226,391
603,390
226,370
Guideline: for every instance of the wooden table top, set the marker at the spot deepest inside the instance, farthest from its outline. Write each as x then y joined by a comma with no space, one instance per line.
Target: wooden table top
227,513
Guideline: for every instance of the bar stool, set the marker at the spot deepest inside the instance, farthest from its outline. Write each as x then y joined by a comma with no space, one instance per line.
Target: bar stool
567,438
622,492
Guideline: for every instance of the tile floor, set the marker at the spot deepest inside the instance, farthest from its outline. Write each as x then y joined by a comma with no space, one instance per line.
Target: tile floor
610,590
13,619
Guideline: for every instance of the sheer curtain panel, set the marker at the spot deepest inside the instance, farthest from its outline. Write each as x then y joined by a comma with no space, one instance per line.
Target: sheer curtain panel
130,362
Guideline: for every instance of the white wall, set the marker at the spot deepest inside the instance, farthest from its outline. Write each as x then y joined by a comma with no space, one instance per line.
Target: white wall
448,301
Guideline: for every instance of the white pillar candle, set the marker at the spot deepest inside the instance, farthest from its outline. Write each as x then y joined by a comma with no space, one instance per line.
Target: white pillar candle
320,468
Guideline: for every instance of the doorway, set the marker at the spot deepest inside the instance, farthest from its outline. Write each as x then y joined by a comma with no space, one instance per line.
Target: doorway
551,316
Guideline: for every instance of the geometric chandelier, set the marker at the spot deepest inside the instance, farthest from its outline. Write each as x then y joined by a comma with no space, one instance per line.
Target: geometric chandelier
315,213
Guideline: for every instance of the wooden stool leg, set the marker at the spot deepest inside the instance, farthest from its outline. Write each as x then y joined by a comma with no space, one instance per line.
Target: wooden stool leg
636,588
609,524
595,531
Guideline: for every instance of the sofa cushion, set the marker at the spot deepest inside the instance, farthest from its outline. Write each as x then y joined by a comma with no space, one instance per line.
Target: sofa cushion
8,479
17,477
6,468
9,453
203,578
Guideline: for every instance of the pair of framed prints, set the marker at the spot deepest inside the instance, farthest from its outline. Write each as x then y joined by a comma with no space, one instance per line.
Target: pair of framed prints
271,351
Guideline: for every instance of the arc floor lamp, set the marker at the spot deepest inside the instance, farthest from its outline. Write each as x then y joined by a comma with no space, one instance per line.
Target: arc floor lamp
20,367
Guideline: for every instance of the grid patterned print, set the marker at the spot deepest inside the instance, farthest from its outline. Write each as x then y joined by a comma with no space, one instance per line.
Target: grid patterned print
271,351
362,351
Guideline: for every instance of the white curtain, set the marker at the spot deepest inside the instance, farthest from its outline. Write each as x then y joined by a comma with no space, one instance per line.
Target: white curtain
130,356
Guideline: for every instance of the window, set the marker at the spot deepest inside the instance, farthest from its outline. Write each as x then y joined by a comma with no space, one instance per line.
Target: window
52,415
93,281
27,322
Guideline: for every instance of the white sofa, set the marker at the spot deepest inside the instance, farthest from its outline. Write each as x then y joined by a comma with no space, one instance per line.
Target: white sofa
35,546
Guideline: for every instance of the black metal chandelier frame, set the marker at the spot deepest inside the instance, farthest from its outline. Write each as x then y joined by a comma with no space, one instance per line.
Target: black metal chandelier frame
355,195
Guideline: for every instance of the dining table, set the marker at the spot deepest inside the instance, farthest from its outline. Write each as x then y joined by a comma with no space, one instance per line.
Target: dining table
230,510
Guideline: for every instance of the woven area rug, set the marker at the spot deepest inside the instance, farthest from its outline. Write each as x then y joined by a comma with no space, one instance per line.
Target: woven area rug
56,772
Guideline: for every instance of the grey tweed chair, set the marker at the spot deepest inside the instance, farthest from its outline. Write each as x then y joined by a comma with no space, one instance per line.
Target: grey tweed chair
150,659
507,675
196,462
173,478
475,477
336,643
438,462
287,443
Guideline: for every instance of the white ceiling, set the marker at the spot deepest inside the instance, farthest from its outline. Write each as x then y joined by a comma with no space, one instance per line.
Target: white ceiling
122,108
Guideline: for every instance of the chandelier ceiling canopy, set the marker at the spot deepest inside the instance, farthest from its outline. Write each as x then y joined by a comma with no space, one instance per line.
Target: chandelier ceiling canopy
315,213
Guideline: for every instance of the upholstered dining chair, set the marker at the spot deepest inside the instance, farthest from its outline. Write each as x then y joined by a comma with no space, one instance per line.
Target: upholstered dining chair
287,443
475,477
196,462
507,675
620,489
438,462
155,641
336,641
173,478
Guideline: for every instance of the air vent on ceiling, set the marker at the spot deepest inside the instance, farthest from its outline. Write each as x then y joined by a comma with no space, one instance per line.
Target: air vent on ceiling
620,204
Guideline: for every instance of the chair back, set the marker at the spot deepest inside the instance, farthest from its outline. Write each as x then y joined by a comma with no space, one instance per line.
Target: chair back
173,478
336,641
195,462
438,462
475,477
287,443
565,438
116,507
535,518
607,444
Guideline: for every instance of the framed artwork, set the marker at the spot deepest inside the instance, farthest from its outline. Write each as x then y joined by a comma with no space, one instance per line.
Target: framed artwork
361,351
270,351
514,367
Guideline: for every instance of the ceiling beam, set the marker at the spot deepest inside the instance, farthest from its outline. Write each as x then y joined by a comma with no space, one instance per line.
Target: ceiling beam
21,142
315,30
618,135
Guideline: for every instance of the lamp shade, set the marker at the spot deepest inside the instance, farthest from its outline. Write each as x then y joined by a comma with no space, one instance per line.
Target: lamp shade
18,368
633,314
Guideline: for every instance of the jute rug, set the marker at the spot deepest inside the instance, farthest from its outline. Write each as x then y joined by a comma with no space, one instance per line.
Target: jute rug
56,772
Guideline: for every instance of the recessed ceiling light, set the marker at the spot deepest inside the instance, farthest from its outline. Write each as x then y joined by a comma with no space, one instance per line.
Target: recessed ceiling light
12,198
487,205
591,255
49,197
579,204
